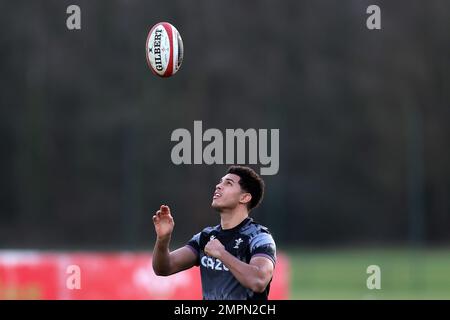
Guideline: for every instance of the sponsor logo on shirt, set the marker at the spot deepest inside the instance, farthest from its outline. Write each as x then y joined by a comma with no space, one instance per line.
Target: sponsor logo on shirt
213,264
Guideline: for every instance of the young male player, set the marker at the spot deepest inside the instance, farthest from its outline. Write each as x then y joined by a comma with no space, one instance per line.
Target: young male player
236,257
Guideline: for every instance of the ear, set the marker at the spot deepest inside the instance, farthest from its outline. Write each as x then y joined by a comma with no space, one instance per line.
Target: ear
245,198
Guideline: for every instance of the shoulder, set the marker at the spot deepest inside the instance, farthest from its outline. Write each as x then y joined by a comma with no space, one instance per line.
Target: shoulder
261,242
255,229
206,233
258,235
199,238
209,230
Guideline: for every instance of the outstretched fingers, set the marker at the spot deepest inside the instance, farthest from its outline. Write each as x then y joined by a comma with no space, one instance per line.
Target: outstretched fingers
165,210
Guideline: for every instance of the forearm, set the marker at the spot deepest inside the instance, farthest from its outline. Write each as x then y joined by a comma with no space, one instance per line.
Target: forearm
161,257
248,275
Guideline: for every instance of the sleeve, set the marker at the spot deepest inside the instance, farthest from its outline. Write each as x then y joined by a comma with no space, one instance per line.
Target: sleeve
263,245
194,245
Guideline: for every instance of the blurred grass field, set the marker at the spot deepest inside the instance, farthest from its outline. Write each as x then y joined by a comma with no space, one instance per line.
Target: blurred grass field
341,274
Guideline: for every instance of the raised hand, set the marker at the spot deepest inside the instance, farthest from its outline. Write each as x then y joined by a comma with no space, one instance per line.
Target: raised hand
163,222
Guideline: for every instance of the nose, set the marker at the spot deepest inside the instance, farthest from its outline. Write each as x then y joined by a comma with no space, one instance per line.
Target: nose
219,186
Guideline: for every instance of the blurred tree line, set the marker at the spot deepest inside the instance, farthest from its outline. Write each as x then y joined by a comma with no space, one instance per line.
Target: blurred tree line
363,116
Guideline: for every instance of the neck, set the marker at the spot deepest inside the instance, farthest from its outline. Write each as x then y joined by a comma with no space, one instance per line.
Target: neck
231,218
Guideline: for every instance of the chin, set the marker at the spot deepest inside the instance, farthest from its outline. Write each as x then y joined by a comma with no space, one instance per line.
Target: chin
221,207
218,207
215,206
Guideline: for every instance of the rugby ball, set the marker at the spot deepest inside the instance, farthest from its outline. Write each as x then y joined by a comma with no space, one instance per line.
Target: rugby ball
164,49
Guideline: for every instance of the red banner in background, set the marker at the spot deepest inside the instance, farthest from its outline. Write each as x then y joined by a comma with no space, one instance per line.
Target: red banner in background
108,276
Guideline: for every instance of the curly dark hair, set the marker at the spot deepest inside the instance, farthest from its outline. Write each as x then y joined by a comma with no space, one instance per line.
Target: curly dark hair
250,182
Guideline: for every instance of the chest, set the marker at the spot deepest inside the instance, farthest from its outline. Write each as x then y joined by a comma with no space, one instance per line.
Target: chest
236,244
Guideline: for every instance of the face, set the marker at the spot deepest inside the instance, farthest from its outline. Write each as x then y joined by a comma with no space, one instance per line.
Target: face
228,193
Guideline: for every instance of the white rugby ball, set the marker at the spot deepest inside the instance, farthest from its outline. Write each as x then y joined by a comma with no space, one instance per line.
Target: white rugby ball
164,49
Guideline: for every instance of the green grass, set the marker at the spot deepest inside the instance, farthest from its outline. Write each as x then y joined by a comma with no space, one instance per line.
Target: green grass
342,274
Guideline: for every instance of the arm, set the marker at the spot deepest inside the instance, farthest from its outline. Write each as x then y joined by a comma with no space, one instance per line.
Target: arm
255,275
165,262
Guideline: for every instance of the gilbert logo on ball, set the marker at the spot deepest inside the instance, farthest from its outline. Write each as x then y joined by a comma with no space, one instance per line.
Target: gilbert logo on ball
164,49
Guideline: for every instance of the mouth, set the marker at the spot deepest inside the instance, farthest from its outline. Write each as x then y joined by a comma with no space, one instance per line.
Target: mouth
217,195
